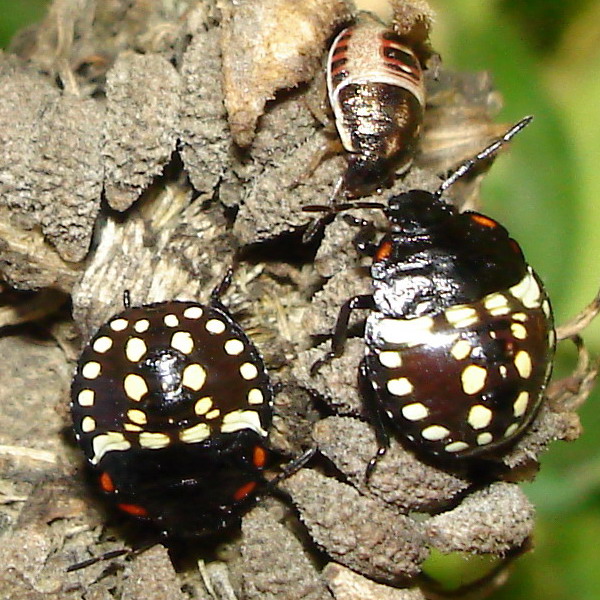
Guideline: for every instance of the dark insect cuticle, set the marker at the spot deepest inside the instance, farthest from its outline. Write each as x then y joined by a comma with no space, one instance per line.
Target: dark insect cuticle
459,338
172,405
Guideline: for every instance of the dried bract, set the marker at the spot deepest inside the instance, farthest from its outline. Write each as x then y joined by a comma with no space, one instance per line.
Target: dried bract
270,45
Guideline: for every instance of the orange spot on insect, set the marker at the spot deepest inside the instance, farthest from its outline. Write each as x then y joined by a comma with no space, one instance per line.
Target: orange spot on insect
515,246
244,490
106,483
133,509
384,251
259,456
484,221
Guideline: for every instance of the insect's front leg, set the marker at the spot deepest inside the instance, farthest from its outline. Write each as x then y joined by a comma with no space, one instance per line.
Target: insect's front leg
364,240
376,416
340,333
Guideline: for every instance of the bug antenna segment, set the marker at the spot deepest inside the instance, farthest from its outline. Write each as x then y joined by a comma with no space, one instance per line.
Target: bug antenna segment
485,153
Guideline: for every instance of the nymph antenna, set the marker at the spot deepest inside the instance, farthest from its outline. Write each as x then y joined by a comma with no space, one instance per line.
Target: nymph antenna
485,153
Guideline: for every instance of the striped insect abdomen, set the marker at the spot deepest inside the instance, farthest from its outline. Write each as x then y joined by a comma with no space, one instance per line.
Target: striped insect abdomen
376,91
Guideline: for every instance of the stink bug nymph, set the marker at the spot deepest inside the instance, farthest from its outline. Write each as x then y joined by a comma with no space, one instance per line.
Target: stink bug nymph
459,337
171,404
376,91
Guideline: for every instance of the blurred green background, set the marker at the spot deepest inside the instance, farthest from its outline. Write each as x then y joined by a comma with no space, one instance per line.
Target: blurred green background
545,58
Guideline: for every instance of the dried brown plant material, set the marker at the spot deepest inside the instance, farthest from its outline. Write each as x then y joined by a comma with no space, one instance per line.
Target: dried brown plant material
493,520
335,382
143,95
151,575
202,128
274,564
69,173
400,478
413,19
31,308
51,177
357,531
270,45
348,585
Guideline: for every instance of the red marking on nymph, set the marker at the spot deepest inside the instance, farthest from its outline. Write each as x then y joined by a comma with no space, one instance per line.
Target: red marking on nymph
133,509
244,490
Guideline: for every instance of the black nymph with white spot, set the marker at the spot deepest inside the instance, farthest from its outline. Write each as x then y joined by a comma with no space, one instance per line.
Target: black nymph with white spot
460,337
171,404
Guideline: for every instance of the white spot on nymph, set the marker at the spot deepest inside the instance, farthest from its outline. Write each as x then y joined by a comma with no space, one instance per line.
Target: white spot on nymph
242,419
551,337
234,347
496,304
108,442
137,416
135,386
215,326
518,331
511,430
196,433
153,441
546,308
415,411
248,371
399,387
194,376
132,427
182,341
461,316
135,349
213,414
171,320
479,416
141,326
503,370
527,291
522,317
473,379
461,349
91,369
520,404
119,324
390,359
203,405
409,331
255,396
484,438
86,398
102,344
192,312
88,424
456,447
435,433
523,364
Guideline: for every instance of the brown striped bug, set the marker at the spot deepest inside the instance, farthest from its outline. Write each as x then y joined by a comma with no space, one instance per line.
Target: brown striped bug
377,95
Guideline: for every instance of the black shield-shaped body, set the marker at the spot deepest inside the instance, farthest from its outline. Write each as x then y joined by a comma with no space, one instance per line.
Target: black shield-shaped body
171,404
460,348
377,94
